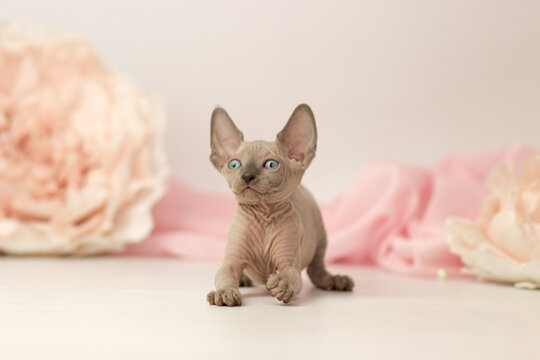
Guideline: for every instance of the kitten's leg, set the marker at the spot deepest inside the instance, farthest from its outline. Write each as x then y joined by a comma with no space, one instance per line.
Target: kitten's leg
245,281
227,281
321,278
286,283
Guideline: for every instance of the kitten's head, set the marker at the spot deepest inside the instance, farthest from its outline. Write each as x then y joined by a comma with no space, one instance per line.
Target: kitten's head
263,171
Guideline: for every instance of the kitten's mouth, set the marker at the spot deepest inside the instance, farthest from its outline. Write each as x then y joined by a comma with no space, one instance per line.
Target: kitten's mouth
250,191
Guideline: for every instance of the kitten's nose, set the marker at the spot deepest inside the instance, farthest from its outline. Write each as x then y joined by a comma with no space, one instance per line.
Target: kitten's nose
247,178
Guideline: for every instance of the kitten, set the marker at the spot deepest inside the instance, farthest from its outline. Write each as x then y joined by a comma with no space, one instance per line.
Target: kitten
277,230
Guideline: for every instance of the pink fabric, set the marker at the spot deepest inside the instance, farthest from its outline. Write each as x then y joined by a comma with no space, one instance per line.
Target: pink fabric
392,216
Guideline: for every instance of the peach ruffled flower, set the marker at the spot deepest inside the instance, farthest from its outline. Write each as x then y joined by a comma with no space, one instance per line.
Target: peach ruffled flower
505,245
81,154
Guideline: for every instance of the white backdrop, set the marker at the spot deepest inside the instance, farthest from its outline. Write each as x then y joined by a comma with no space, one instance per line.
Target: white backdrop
406,80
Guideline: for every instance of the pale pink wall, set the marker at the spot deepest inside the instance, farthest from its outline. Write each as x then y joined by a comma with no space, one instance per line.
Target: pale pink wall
408,80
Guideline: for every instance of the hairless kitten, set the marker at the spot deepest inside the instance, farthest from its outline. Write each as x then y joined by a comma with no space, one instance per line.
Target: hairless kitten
277,230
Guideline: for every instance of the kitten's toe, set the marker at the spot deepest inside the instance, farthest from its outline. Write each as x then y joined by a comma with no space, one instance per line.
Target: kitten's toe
210,298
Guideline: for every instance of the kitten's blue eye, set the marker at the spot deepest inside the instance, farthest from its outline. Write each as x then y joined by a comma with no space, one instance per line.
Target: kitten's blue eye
234,164
271,164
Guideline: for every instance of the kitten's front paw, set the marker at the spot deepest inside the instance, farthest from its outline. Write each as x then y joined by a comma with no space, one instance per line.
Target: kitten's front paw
225,297
280,287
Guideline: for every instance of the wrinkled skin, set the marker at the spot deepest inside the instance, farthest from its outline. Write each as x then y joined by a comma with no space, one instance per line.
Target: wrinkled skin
277,230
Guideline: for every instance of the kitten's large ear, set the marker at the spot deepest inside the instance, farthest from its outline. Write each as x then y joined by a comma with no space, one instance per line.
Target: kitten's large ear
225,137
299,136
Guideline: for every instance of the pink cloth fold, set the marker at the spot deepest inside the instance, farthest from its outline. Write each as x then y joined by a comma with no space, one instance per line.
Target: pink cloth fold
391,216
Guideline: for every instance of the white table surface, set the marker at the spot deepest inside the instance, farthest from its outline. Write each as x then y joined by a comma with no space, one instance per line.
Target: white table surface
134,308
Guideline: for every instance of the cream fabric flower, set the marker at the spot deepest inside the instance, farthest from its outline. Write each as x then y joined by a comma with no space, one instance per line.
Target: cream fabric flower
505,245
81,154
